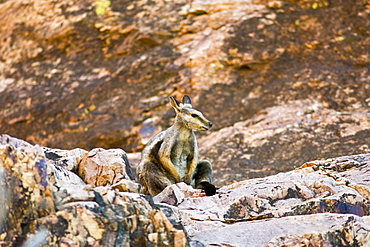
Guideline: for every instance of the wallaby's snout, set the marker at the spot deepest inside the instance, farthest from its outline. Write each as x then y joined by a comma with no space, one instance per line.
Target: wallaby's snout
210,124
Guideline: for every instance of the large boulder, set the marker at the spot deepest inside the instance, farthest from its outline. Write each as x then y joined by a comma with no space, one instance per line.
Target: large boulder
50,205
100,167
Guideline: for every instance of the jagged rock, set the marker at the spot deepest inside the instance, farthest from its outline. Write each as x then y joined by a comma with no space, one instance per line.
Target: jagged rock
175,194
45,206
303,191
64,164
71,193
68,159
111,219
100,167
96,168
125,185
237,214
309,230
26,193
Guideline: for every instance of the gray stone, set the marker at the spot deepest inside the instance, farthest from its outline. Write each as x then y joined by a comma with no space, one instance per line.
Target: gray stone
310,230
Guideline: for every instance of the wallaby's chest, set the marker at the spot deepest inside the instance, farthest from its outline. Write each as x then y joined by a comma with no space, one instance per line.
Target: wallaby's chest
181,154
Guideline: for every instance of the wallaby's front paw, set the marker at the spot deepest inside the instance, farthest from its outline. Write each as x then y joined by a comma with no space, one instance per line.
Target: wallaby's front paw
187,180
210,189
177,179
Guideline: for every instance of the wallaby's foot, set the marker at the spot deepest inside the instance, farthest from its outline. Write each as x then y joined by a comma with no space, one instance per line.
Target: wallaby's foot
210,189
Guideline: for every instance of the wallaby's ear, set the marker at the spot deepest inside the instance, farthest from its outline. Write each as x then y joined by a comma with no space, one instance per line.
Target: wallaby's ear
186,100
175,104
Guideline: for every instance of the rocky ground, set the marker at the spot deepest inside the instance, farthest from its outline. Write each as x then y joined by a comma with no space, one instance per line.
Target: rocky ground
284,82
89,198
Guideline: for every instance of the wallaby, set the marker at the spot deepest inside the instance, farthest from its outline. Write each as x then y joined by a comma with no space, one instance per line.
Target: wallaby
172,155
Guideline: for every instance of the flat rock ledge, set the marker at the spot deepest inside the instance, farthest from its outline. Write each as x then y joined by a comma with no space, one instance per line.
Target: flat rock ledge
76,197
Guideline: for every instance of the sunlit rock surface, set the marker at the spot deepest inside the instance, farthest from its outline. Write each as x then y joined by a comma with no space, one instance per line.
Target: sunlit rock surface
322,203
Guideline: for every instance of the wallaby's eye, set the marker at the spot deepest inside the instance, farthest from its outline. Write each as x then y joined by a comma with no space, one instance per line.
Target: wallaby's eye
194,115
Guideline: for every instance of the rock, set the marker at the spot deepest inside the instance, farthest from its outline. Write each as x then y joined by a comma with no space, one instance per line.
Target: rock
113,218
27,193
96,168
14,142
68,159
64,164
175,194
125,185
44,206
310,230
278,134
240,211
72,193
100,167
284,82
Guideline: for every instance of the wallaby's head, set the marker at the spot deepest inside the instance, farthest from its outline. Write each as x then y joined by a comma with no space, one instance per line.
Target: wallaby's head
190,117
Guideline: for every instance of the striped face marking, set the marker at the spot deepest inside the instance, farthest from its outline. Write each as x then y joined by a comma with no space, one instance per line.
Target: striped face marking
193,119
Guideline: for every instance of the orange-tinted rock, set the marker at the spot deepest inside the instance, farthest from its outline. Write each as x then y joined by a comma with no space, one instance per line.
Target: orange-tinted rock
101,167
113,218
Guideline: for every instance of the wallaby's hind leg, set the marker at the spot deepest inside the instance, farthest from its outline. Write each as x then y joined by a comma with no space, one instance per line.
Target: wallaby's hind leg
203,177
203,173
152,179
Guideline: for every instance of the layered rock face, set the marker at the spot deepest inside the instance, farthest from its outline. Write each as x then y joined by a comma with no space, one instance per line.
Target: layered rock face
322,203
284,81
49,202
